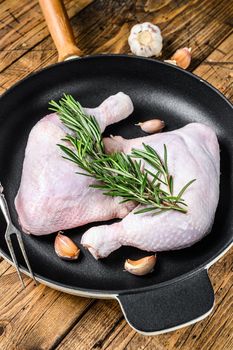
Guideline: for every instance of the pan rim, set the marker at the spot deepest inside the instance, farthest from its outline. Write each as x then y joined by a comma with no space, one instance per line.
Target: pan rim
125,56
113,293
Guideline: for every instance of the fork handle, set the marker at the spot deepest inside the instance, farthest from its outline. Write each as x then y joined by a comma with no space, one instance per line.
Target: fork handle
5,209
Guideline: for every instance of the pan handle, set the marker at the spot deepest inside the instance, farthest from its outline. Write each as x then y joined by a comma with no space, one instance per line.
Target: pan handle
58,23
165,308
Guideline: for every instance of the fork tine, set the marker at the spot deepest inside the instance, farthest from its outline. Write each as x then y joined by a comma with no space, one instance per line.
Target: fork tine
12,253
22,248
11,229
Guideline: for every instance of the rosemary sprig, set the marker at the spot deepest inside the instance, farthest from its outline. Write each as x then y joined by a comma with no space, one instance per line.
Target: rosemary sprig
118,174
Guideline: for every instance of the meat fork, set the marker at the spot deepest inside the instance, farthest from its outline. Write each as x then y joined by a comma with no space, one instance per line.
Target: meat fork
10,230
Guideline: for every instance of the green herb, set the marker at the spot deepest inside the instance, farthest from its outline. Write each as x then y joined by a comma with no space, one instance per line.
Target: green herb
117,174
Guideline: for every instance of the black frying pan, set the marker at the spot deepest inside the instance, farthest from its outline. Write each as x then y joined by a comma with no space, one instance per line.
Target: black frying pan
179,291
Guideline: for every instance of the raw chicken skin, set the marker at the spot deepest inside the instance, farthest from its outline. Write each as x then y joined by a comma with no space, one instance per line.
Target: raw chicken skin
52,196
193,153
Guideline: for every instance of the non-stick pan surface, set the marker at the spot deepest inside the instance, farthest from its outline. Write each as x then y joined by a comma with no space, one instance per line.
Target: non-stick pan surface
157,90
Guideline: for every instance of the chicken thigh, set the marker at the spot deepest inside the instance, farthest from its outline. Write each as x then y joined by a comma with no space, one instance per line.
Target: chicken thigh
51,195
193,153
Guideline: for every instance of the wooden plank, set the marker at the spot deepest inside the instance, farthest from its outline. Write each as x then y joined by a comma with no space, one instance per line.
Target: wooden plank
187,23
22,27
218,68
104,316
4,266
200,25
44,53
35,317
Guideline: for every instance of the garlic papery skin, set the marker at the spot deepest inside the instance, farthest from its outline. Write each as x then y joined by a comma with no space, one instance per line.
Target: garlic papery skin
145,40
152,126
142,266
171,62
65,248
182,57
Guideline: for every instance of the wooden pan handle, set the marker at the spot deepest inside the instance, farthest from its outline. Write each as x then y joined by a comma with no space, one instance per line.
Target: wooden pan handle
60,29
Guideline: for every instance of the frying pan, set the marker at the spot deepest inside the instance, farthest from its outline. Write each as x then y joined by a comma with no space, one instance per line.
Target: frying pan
179,291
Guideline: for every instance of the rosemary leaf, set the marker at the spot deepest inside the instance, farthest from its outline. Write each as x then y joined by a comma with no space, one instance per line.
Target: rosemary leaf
180,194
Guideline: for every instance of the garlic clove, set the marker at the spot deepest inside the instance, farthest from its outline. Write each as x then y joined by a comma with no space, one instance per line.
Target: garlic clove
142,266
182,57
65,248
152,126
145,40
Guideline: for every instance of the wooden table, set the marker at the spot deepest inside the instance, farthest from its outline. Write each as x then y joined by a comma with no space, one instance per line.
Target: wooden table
41,318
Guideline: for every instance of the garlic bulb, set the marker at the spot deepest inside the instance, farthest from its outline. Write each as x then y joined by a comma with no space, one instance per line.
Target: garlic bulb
65,248
142,266
152,126
145,40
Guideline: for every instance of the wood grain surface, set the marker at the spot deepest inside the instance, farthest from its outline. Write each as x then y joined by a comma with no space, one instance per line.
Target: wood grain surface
39,318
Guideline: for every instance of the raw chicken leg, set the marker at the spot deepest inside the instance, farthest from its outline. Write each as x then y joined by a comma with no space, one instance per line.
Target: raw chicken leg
52,196
193,153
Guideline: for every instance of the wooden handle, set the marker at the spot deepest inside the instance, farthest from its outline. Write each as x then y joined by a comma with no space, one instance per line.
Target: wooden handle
60,29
